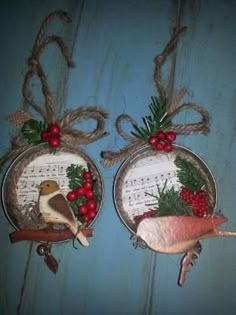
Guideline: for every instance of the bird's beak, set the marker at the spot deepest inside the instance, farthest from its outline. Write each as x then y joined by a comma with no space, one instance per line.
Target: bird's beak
39,187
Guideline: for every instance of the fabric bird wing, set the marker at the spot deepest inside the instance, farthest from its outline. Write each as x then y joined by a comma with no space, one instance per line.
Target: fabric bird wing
59,204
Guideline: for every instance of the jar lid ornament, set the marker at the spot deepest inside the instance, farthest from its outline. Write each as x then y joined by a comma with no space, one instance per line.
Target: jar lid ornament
164,193
52,191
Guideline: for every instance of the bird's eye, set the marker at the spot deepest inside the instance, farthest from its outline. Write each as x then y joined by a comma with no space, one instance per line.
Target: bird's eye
48,185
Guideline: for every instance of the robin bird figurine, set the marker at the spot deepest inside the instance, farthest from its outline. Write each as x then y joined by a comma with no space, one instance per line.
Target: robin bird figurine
54,208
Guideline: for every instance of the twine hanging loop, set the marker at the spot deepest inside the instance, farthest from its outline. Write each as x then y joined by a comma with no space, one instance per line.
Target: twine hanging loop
174,107
69,135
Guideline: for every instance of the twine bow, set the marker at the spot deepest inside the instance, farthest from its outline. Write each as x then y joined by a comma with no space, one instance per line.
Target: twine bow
174,107
68,134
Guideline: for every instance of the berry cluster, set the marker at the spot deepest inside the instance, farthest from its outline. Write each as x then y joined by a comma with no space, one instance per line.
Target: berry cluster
198,201
52,136
147,214
88,209
162,141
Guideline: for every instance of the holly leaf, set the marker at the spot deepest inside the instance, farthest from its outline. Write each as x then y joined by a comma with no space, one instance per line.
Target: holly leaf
31,131
30,125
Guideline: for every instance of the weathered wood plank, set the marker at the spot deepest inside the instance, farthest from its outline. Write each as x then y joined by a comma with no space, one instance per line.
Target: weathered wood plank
114,44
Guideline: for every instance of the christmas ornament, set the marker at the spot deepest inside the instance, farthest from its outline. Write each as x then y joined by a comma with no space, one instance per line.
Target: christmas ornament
164,193
51,178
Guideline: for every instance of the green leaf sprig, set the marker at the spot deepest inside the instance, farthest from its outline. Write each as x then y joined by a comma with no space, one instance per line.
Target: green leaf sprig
32,129
188,175
158,120
170,203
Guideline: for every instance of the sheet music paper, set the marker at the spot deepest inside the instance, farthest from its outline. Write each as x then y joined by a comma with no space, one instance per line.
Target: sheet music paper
145,176
46,166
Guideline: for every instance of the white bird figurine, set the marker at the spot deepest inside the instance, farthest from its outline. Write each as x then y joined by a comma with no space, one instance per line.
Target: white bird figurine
54,208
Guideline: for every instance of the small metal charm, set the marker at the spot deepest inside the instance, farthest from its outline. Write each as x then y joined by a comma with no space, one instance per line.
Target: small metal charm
188,260
45,250
138,242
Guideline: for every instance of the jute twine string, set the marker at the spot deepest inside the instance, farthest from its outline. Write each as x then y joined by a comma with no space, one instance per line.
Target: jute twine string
161,58
47,111
173,108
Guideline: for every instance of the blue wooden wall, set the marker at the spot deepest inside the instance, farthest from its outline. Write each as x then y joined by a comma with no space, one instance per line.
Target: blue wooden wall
113,44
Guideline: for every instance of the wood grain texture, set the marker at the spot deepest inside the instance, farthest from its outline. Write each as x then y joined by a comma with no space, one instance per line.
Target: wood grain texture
113,44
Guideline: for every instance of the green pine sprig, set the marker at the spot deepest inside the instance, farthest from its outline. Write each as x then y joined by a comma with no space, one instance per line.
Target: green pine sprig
32,129
188,175
170,203
158,120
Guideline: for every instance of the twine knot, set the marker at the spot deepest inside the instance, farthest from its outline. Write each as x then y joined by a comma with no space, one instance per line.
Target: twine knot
33,63
68,135
174,107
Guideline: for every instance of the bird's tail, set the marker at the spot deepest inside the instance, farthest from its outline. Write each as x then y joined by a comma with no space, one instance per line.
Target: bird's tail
75,229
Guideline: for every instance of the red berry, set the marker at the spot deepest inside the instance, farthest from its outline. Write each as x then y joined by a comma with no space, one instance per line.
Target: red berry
170,136
200,205
183,192
137,218
192,198
44,135
92,214
87,175
189,200
71,196
80,191
89,194
168,147
153,141
161,135
83,209
151,213
159,146
91,204
54,129
187,196
86,218
54,142
88,185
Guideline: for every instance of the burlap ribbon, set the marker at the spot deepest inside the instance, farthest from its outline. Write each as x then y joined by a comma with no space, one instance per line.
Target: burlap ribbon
174,107
68,134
